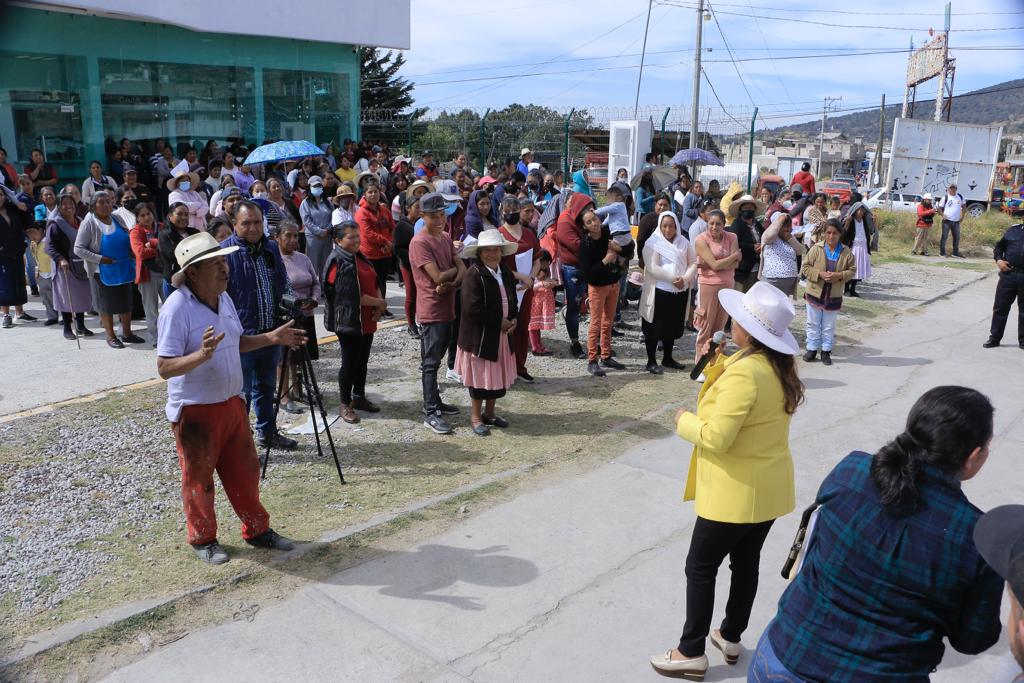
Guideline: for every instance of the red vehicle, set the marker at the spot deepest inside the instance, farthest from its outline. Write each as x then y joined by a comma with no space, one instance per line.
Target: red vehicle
836,189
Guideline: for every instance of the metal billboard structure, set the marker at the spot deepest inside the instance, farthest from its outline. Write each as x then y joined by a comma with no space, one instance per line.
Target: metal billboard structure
929,62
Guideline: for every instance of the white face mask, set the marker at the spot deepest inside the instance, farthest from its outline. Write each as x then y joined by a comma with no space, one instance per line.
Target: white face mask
259,195
316,190
184,186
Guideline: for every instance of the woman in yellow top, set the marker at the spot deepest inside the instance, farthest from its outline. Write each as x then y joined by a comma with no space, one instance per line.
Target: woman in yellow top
741,470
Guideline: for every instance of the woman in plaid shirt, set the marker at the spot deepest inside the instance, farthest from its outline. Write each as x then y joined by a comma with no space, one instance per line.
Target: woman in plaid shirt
891,568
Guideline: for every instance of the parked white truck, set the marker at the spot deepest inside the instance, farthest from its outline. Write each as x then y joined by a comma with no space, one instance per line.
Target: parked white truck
928,156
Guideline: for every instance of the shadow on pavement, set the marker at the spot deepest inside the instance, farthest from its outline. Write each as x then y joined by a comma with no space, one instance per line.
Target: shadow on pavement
865,355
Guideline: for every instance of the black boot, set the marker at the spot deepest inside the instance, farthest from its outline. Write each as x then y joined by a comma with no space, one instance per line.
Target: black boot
810,356
826,358
853,289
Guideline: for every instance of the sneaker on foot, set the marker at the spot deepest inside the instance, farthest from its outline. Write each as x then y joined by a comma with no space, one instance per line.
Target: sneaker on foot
276,440
437,423
8,322
450,374
612,363
272,540
211,553
31,318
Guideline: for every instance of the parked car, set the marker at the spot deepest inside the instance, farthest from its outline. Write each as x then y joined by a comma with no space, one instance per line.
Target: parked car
900,202
836,189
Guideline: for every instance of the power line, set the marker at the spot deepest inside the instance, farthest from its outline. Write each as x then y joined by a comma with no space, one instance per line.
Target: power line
731,57
717,98
858,13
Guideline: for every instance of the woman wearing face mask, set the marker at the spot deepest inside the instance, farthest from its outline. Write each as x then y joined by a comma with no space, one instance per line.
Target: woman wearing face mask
744,212
126,203
526,243
181,187
97,181
376,235
148,271
315,211
71,293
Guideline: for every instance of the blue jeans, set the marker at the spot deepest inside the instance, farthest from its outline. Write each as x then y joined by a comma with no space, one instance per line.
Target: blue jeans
821,328
259,373
765,667
575,290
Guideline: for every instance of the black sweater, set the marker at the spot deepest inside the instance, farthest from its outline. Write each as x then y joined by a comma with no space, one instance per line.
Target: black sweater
590,256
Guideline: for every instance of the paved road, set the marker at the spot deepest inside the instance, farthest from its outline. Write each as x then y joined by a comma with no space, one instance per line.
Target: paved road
45,358
582,580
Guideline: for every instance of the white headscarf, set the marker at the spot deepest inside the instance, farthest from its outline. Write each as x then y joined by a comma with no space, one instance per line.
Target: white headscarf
673,251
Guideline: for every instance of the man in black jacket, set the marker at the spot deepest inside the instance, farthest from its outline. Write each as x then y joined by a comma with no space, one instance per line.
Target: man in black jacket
1009,256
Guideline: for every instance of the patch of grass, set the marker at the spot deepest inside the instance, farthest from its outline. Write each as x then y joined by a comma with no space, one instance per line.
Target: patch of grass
977,235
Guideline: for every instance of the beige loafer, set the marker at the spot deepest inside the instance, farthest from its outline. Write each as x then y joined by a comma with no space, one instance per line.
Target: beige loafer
729,649
692,669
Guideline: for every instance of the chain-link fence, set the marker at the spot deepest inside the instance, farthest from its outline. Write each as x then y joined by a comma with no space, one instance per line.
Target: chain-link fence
570,138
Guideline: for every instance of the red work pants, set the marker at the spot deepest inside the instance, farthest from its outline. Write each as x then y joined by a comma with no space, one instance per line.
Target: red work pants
216,437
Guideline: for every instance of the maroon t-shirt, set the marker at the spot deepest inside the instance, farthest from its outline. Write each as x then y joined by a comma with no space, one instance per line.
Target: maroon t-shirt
423,249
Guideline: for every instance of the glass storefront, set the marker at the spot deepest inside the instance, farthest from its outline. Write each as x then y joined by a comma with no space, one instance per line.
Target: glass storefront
306,105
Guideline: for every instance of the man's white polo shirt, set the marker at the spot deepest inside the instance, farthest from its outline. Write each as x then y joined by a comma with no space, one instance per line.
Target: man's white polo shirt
183,319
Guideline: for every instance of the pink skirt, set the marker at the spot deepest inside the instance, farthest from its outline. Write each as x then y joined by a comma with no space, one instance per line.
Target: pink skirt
542,313
478,373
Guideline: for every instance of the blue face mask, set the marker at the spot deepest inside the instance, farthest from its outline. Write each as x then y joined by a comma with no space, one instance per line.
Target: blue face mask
184,186
451,208
316,191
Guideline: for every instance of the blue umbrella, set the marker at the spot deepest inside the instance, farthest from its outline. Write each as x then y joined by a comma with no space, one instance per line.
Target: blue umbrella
695,156
282,151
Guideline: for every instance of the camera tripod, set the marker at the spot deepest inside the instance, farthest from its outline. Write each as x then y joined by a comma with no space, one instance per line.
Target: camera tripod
311,392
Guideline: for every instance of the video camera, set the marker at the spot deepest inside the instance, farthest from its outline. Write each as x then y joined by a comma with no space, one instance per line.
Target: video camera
292,307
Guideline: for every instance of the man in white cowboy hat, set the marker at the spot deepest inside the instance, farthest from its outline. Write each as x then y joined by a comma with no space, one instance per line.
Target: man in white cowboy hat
182,186
525,159
199,341
743,213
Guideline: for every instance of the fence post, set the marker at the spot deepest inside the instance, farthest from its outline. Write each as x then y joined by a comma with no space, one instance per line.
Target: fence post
483,150
411,153
661,154
565,146
750,156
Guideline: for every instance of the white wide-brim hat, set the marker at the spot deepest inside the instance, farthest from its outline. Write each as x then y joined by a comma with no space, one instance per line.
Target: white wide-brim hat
734,208
765,313
489,238
196,248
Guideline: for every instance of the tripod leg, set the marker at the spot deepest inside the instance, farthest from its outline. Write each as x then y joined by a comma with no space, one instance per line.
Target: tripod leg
303,374
277,407
314,392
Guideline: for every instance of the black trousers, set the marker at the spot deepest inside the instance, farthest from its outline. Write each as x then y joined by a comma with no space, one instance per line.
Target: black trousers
382,266
1009,288
434,338
947,228
355,356
709,545
453,346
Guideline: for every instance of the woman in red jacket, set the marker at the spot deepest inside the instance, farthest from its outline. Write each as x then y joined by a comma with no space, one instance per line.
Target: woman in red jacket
148,271
568,232
376,234
925,217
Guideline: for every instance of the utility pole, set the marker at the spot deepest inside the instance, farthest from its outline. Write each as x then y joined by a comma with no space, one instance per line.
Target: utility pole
643,53
696,76
829,101
876,168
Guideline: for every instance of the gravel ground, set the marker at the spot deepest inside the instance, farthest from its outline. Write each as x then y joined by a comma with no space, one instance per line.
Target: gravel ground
78,477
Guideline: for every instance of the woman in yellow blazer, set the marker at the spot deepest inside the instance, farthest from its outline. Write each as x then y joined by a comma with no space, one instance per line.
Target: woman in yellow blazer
741,471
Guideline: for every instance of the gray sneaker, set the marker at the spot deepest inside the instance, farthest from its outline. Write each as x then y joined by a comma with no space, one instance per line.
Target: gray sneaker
211,553
437,423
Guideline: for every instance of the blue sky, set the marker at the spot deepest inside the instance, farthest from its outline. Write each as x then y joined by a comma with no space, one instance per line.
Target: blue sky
567,53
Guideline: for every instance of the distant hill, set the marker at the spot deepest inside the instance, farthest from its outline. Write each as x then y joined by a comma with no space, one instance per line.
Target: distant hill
997,104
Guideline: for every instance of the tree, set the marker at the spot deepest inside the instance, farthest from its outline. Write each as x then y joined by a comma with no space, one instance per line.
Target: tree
382,88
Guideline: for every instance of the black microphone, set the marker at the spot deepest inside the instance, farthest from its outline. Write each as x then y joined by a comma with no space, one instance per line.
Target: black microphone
717,340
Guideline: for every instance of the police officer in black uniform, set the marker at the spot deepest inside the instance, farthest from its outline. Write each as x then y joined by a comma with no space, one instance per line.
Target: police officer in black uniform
1009,255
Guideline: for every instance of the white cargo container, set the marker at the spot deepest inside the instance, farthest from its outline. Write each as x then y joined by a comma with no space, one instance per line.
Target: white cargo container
928,156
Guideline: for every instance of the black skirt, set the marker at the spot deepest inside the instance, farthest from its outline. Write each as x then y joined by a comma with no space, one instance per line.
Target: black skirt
12,282
485,394
669,316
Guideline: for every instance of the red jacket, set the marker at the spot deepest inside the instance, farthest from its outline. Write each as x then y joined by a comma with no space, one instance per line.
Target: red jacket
925,215
144,248
567,231
806,181
376,230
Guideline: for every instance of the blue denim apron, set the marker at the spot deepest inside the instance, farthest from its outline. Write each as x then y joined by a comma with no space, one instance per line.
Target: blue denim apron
117,246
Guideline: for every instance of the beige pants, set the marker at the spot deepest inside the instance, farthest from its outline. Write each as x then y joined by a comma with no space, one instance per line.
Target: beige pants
921,241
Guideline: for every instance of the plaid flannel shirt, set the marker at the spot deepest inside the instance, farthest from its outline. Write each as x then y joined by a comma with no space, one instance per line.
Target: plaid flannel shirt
877,593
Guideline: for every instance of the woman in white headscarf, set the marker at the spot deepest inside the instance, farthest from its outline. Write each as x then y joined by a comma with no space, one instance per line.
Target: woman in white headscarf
670,266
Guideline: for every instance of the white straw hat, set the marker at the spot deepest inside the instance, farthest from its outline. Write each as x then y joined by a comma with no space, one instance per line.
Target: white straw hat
489,238
196,248
765,313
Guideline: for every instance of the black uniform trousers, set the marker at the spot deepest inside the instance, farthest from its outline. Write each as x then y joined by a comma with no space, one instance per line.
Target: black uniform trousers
1009,288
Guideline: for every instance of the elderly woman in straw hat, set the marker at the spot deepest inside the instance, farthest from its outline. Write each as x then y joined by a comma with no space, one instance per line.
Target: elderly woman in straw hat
741,471
344,201
182,186
484,358
200,339
743,213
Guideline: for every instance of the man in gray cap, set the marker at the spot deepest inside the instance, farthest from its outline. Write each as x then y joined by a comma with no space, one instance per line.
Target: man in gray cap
999,538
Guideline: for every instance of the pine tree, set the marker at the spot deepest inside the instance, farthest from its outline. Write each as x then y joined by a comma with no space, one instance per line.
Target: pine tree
381,86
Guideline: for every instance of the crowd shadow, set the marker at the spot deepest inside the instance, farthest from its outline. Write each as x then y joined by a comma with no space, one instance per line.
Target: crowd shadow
866,355
818,383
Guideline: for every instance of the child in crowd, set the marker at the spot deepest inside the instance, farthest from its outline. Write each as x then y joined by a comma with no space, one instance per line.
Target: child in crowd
615,215
542,313
833,206
44,271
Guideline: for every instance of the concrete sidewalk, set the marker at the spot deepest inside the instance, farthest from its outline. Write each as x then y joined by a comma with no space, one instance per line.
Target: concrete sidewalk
582,580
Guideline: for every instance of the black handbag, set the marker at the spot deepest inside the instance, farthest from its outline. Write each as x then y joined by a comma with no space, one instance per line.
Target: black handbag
795,559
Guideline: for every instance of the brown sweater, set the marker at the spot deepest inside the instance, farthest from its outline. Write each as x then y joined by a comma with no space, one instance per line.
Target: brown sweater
815,262
480,326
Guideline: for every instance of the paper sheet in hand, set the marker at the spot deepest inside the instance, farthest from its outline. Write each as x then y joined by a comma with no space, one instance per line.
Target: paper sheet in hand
524,266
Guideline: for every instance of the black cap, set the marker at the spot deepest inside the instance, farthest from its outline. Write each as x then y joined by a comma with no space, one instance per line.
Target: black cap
432,201
999,537
427,153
